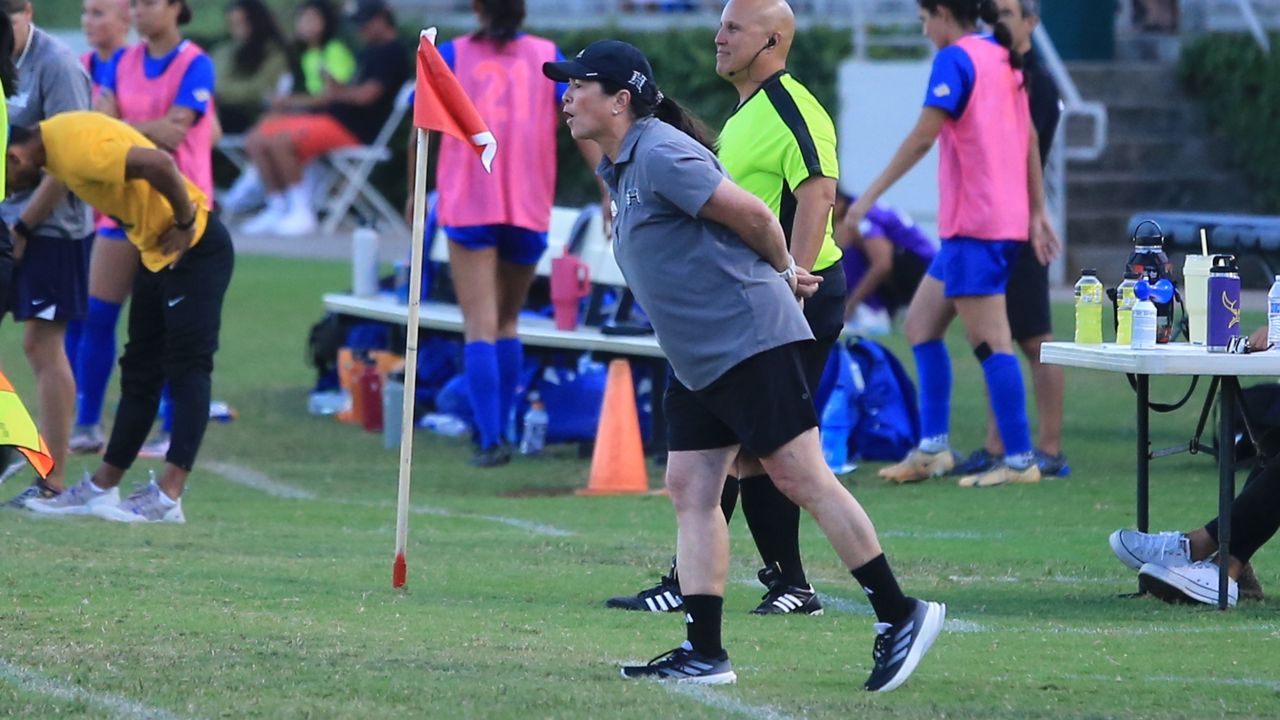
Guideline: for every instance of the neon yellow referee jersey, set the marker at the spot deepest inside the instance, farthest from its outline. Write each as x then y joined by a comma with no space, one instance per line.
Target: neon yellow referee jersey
777,139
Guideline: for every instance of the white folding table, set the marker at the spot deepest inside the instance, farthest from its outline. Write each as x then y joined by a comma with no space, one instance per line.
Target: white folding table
1186,360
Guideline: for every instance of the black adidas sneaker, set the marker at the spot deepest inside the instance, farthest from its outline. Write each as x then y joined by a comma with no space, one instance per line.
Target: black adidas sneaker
784,599
900,647
663,597
684,665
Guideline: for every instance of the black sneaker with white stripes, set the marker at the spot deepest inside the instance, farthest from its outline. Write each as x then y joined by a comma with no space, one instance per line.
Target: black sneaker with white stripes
36,491
684,665
899,648
663,597
784,599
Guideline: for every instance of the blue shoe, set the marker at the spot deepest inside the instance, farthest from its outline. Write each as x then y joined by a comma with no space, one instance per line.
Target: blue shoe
1052,465
978,462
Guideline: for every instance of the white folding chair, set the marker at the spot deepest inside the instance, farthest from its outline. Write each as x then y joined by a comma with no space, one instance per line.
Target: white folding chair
351,167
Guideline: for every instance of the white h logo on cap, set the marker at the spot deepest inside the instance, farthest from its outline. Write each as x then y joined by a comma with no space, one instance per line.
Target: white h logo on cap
638,80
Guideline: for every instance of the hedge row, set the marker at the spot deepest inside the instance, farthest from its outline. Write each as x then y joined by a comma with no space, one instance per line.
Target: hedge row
1240,89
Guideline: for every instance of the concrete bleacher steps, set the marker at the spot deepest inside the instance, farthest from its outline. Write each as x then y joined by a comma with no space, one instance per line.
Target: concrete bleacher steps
1160,154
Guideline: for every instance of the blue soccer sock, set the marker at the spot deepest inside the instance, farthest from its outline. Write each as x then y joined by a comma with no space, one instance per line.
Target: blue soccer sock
933,366
510,363
1009,404
71,341
480,365
95,359
166,410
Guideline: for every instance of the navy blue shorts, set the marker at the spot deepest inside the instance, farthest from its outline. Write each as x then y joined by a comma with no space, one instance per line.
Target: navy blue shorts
51,282
516,245
970,267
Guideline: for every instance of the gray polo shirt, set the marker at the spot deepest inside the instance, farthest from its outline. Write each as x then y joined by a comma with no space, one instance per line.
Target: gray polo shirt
712,300
51,80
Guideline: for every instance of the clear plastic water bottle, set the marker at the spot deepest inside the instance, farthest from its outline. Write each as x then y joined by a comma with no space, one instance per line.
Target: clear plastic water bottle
1125,300
1089,293
1273,315
836,426
1145,317
535,428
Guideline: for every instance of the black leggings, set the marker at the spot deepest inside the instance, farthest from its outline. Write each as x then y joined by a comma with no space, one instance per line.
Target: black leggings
1255,514
174,318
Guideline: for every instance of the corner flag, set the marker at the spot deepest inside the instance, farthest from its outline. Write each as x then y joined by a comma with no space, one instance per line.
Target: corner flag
442,105
17,430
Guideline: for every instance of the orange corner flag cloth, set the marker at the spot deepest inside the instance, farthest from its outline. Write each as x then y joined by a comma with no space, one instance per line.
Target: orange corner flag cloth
442,105
17,430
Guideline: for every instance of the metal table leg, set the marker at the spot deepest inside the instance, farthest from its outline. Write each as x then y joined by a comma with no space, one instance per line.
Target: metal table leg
1144,452
1228,389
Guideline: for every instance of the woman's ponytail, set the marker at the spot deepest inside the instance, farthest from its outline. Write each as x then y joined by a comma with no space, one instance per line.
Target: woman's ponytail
989,13
673,113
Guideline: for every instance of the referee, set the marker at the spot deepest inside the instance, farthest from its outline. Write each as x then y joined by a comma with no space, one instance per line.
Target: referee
780,145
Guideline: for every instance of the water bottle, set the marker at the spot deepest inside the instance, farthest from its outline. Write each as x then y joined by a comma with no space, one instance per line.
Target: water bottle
836,426
392,410
1273,315
364,262
1088,293
1223,325
370,391
1125,300
535,428
1150,261
1145,317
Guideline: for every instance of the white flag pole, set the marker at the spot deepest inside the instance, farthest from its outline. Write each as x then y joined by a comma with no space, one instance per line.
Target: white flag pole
400,569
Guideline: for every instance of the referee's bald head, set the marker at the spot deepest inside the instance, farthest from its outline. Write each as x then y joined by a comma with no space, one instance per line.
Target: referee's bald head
774,17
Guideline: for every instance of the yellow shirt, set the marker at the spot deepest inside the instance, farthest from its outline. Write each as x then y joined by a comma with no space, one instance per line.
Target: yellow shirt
86,151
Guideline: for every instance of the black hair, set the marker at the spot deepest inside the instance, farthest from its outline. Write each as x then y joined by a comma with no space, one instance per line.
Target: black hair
328,13
969,12
668,111
263,32
8,72
502,18
19,135
184,15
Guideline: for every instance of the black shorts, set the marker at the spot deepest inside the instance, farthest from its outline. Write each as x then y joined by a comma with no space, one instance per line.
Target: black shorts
1027,297
762,403
825,314
51,282
908,270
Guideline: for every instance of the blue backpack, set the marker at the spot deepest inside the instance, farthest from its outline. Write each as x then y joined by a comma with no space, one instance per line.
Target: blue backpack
885,418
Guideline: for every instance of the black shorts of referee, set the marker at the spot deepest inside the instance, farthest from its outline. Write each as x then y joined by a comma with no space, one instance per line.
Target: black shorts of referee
1027,297
825,313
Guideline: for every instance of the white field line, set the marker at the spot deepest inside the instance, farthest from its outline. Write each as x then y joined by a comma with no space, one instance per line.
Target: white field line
940,535
717,700
1265,683
254,480
116,706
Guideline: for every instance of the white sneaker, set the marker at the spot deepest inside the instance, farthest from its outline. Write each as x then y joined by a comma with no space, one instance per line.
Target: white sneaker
77,500
245,194
156,448
1135,549
1197,581
265,222
297,223
144,505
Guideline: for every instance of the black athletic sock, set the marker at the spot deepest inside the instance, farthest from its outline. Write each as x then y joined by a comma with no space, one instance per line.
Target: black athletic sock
704,614
881,587
729,497
775,526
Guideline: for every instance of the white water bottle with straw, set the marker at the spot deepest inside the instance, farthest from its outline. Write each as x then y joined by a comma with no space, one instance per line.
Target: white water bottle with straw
1195,276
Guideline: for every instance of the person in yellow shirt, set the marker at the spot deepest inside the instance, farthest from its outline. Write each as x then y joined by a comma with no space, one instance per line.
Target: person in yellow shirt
186,265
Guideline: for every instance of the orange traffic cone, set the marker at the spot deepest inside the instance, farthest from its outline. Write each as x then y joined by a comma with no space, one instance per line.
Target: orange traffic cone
617,464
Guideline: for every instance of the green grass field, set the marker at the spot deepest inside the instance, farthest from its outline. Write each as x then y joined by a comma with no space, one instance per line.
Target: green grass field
281,607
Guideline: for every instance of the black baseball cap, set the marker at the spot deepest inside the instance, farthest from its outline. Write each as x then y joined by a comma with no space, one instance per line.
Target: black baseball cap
613,60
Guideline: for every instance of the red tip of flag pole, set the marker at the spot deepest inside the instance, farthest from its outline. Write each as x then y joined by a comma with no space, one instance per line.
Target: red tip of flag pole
399,572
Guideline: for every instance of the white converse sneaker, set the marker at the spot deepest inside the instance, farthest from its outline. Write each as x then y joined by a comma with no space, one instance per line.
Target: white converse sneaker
1135,549
1197,582
79,499
145,504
